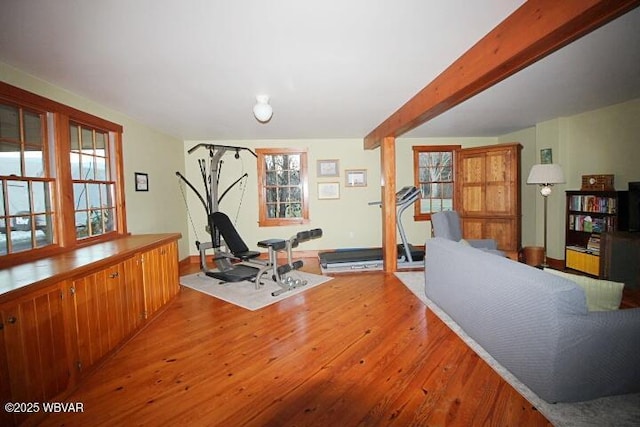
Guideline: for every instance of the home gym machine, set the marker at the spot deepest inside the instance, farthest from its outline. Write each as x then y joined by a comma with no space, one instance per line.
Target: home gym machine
371,258
247,266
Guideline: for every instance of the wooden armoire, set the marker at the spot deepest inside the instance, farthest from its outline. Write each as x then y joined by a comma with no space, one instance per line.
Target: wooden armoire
488,194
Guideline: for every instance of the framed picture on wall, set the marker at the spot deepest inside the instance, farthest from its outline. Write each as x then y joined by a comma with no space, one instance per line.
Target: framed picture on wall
546,156
142,181
356,177
328,190
328,168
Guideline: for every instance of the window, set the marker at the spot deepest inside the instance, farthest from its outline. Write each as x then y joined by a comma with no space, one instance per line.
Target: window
93,187
50,152
26,211
434,176
283,189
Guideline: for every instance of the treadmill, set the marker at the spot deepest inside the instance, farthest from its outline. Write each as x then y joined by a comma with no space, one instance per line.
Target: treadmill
342,260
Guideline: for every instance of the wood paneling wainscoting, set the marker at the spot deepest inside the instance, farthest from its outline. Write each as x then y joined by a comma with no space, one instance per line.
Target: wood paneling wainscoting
60,317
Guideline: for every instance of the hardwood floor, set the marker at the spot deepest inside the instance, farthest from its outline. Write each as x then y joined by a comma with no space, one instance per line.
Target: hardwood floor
358,350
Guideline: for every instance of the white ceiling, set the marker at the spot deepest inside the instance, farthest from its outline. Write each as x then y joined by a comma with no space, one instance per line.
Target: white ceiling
333,69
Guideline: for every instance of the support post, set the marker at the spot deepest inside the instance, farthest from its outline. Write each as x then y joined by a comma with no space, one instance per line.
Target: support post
388,178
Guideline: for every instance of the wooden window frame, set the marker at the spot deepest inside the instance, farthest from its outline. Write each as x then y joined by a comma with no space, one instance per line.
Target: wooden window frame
264,221
417,150
59,118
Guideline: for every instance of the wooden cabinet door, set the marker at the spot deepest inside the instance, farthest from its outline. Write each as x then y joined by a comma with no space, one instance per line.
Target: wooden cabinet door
160,276
6,418
488,194
501,178
471,182
134,294
34,347
107,308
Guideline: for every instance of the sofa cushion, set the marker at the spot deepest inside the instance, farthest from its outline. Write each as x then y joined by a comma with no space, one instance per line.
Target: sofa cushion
601,295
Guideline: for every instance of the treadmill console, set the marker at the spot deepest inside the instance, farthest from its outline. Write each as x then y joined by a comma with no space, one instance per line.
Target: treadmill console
406,193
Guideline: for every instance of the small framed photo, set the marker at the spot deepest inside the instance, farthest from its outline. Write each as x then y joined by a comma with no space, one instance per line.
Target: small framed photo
546,156
328,190
328,168
142,181
356,177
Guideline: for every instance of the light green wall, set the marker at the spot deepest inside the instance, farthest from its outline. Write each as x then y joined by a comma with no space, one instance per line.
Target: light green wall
603,141
160,210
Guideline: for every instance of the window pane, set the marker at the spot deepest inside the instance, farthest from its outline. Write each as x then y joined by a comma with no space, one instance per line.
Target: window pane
97,222
101,169
272,195
294,177
1,199
294,210
9,122
41,197
425,206
283,193
294,161
271,211
110,223
18,195
101,139
87,141
73,134
447,173
33,162
21,240
296,194
82,221
32,129
44,228
87,167
75,165
447,190
283,178
80,196
106,190
10,159
271,178
93,191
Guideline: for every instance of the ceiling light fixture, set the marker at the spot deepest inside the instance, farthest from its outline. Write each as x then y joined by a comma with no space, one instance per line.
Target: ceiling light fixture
262,110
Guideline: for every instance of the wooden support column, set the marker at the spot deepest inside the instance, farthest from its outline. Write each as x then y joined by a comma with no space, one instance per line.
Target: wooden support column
388,177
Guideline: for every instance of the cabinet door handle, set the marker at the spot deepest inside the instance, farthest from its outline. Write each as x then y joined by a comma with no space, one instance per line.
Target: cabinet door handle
12,320
113,275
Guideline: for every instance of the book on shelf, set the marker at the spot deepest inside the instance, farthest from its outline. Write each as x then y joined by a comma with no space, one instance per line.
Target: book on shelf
592,203
594,243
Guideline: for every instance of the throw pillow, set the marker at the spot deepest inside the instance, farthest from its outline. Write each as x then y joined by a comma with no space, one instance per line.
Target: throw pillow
601,294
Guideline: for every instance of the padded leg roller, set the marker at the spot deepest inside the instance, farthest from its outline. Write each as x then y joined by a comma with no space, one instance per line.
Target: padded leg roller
288,283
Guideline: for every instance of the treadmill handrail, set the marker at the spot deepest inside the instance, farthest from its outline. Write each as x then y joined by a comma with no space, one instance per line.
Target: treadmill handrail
406,195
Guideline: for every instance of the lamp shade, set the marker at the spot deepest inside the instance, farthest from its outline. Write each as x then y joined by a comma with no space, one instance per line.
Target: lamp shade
546,174
262,110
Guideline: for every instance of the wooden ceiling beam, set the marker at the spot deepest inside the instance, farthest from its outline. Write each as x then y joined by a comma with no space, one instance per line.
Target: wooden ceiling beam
535,30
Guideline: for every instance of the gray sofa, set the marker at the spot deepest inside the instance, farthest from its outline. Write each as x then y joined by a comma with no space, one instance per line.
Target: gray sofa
535,324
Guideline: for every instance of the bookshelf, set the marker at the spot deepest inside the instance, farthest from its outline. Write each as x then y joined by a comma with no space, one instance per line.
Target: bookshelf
590,213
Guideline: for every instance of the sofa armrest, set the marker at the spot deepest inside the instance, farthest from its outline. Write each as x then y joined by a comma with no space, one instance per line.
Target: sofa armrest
603,349
483,243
